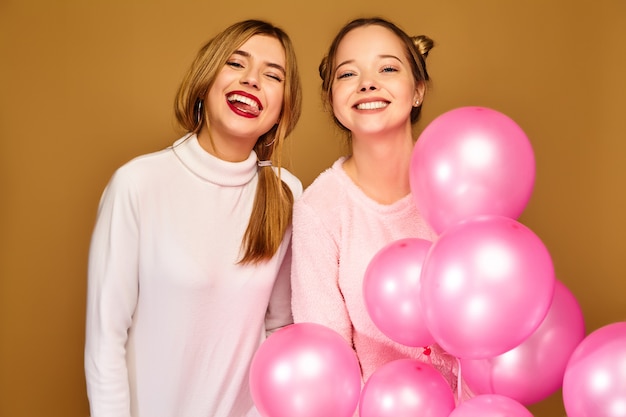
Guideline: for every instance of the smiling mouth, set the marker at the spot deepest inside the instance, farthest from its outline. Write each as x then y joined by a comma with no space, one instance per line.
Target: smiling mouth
372,105
244,104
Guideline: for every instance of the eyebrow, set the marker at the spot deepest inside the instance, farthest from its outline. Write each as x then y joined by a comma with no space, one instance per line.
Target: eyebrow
349,61
269,64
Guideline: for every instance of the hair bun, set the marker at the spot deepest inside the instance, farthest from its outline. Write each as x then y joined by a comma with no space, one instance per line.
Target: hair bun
423,44
322,67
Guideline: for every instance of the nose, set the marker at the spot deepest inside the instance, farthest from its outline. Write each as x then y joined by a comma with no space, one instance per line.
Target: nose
367,83
368,80
251,79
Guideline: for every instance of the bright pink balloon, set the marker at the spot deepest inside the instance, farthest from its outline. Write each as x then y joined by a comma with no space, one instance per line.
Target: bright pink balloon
305,370
391,288
471,161
534,370
406,388
487,284
595,377
490,405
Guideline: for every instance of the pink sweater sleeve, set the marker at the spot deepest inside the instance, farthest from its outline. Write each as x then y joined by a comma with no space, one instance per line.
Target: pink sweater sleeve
316,296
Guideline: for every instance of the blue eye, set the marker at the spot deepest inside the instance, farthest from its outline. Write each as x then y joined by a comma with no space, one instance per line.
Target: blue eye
345,75
389,69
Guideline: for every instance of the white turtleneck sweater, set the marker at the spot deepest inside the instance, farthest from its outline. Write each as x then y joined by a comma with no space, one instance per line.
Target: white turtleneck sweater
173,321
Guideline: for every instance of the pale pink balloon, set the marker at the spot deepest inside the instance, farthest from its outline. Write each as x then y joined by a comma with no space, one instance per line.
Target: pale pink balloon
595,377
534,370
471,161
305,370
406,388
391,288
487,284
491,405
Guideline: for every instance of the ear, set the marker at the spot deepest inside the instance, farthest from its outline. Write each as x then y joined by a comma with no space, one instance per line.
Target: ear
418,97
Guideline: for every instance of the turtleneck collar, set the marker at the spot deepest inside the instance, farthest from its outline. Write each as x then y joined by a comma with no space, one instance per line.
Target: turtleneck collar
210,168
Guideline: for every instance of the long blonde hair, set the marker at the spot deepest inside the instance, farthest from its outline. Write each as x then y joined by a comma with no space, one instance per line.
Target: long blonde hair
273,202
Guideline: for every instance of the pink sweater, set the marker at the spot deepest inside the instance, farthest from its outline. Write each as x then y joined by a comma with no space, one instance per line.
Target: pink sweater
337,230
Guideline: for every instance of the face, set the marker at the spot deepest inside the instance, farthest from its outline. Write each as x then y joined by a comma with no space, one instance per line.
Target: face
373,89
245,101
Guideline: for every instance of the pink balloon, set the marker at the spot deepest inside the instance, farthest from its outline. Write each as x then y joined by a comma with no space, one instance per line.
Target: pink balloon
391,288
534,370
487,284
406,388
471,161
305,370
595,377
490,405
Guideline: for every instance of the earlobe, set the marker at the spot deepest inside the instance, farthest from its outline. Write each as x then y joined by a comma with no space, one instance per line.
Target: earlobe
418,98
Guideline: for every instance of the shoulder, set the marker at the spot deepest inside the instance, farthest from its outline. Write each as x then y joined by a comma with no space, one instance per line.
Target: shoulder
137,171
327,189
294,184
142,163
326,202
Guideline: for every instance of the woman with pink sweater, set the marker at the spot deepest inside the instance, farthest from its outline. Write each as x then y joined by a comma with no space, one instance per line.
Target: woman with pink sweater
374,81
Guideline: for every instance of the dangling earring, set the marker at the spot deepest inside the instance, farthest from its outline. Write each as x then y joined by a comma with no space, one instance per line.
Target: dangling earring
198,110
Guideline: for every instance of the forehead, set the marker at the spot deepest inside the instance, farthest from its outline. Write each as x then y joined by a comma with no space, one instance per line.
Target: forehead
265,48
369,40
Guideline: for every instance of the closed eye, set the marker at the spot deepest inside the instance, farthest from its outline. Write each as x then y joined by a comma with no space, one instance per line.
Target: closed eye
234,64
389,69
275,77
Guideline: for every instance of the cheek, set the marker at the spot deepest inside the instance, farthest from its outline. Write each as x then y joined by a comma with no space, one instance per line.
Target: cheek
338,99
340,113
277,98
342,96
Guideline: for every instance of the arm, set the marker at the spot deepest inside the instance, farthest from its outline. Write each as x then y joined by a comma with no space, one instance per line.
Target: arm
279,310
111,299
316,296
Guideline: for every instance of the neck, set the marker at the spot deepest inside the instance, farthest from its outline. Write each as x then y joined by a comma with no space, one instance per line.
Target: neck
380,166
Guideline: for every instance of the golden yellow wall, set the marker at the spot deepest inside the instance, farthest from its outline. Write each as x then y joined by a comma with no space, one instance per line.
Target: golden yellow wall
86,85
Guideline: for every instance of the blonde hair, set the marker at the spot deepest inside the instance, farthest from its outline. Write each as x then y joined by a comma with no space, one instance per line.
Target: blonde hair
416,47
273,203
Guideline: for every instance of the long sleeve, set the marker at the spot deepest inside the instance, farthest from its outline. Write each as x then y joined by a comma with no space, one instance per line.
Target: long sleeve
173,317
279,312
111,300
279,309
337,231
316,295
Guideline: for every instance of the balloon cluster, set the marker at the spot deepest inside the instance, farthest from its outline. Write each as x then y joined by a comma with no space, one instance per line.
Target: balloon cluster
485,291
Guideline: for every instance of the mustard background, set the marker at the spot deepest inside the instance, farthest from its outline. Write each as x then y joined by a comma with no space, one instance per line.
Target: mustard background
87,85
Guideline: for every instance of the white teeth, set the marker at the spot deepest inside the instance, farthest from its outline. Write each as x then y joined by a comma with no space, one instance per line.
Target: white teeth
372,105
243,99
